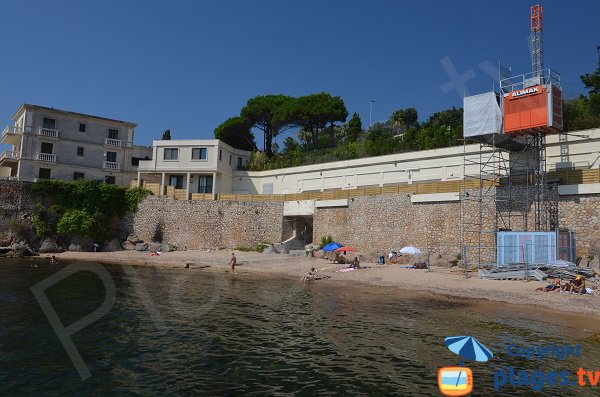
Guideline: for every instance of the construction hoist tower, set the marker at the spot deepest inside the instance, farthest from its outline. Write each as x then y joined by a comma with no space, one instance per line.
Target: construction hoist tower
537,38
505,188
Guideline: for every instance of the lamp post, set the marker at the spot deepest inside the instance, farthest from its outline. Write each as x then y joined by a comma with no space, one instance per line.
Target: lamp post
371,113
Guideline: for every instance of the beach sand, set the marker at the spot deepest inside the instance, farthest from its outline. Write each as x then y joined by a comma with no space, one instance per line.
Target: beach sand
439,281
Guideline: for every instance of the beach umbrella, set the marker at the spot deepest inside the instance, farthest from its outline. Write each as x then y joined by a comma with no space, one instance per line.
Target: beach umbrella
468,348
331,247
346,248
410,250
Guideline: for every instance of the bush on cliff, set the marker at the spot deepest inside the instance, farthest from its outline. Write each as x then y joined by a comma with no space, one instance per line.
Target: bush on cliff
81,208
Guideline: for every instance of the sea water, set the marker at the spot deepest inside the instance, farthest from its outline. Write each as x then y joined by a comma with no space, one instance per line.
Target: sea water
194,332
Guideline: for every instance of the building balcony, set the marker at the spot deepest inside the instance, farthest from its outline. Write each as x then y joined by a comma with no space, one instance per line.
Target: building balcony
111,165
7,156
50,158
11,135
47,133
112,142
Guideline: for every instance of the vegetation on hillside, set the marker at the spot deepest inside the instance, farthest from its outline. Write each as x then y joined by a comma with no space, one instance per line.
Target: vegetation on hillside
81,208
323,135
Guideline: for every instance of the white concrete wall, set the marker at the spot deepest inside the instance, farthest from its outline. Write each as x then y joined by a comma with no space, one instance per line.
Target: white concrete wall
429,165
4,172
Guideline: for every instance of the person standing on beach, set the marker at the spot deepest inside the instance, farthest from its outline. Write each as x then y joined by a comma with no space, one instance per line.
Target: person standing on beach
233,262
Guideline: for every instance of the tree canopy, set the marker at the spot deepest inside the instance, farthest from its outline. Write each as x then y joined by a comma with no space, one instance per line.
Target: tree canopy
263,112
236,132
166,136
312,113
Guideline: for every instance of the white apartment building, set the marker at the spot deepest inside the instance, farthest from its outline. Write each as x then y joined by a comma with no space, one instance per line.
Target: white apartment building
50,143
193,166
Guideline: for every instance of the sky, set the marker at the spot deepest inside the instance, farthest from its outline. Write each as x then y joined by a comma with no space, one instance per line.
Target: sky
189,65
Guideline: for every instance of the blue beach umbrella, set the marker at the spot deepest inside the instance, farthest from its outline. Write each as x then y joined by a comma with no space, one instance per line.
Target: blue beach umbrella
468,348
331,247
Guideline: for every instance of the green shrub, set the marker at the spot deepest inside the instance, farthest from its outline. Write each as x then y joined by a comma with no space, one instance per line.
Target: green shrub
325,241
77,223
92,204
243,248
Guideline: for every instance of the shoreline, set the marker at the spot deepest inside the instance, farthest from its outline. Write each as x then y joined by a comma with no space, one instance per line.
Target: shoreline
440,282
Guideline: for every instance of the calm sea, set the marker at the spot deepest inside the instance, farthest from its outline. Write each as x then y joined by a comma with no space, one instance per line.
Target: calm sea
175,332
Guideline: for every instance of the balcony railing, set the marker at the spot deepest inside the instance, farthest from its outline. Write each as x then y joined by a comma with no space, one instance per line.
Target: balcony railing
8,155
111,165
46,157
112,142
10,130
48,133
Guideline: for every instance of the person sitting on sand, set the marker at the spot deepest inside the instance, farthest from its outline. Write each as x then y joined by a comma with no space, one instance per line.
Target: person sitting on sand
339,258
355,264
53,260
312,275
578,286
554,286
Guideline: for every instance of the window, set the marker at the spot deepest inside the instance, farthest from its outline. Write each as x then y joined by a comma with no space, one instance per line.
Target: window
80,151
199,153
81,127
44,173
205,184
229,159
49,123
171,154
111,156
240,163
77,175
220,155
113,134
109,179
177,181
47,148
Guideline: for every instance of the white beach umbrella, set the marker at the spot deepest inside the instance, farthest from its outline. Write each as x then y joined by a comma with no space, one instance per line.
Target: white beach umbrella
410,250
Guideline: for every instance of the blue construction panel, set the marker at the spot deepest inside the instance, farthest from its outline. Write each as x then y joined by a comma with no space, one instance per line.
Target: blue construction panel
525,247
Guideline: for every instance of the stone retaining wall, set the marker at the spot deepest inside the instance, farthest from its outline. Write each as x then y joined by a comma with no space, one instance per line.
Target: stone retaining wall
208,224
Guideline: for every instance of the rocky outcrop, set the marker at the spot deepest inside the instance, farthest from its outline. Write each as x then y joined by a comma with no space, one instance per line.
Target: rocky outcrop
49,246
112,246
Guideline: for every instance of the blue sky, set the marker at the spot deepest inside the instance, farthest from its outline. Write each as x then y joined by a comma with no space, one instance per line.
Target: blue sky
189,65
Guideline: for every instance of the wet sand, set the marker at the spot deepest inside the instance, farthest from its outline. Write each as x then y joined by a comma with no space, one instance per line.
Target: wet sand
439,281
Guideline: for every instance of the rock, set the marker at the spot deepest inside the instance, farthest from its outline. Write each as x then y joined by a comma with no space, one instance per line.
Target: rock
79,244
141,247
281,248
127,245
112,246
168,248
134,239
49,246
155,247
20,250
269,250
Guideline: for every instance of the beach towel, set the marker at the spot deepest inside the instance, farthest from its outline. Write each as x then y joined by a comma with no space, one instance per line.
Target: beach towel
347,269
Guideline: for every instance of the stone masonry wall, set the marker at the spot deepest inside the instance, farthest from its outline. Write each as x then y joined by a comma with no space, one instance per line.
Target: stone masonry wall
208,224
377,223
15,203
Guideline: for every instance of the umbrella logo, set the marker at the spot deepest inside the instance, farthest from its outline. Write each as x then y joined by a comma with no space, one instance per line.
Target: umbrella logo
458,381
468,348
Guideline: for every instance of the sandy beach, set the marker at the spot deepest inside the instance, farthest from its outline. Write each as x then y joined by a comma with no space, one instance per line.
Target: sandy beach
439,281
